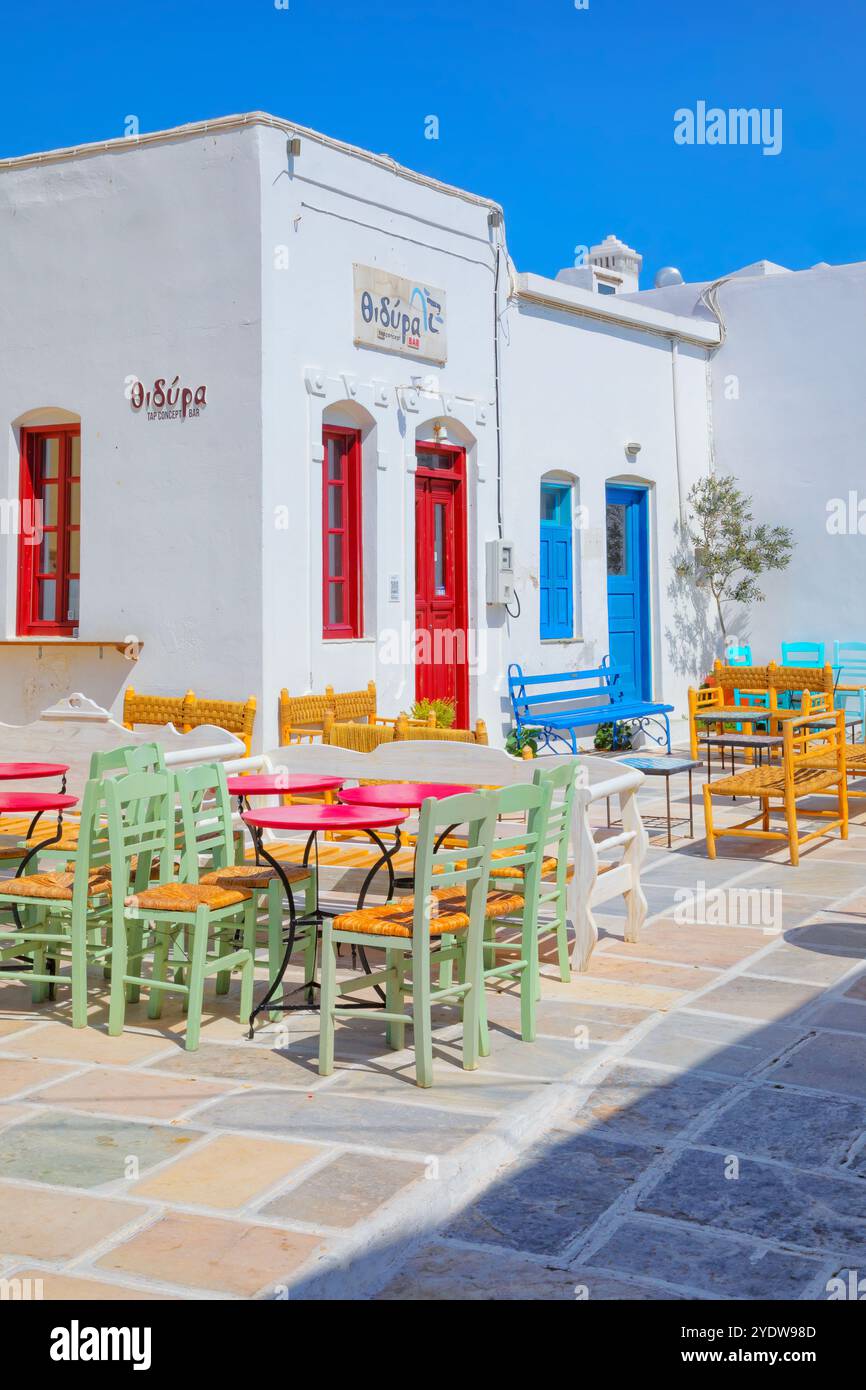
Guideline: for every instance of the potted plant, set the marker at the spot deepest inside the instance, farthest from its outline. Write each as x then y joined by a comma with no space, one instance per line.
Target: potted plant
603,740
519,740
444,710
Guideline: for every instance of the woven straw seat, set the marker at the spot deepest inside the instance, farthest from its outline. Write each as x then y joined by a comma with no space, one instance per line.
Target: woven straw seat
186,897
395,919
770,781
250,876
855,758
57,886
744,714
548,865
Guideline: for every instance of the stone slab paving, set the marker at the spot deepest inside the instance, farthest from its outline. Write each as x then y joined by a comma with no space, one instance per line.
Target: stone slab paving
690,1124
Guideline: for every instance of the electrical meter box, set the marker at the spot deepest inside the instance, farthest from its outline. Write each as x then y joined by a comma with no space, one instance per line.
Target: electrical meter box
500,572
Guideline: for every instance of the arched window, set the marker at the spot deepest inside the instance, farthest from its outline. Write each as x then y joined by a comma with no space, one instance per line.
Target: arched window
49,538
556,567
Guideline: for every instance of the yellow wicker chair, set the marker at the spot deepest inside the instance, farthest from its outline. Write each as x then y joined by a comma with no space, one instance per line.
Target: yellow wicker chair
187,712
302,717
361,738
237,716
153,709
813,763
406,729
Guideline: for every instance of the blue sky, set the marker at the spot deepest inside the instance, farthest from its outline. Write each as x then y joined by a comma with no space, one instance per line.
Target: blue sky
565,116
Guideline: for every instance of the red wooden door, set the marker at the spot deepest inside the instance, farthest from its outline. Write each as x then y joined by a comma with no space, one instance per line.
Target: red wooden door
441,655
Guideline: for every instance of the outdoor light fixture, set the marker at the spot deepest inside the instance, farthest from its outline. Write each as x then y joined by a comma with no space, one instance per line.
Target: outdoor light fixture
494,218
632,449
293,145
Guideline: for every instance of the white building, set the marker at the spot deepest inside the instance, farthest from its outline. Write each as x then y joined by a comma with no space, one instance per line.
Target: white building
315,488
788,418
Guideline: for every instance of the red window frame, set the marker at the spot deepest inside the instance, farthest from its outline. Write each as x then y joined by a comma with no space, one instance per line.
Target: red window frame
34,488
346,535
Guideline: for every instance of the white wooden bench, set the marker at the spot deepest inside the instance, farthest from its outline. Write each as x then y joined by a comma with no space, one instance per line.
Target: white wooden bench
597,879
75,728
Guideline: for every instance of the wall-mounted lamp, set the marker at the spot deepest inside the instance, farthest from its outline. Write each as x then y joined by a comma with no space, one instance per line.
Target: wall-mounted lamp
438,430
494,218
632,449
293,146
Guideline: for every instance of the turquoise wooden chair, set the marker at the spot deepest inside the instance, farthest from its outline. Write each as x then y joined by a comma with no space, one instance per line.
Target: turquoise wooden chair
65,913
443,919
849,663
802,653
738,655
199,787
169,919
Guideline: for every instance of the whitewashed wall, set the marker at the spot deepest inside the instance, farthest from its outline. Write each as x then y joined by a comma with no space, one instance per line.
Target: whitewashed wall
576,392
223,259
789,420
141,262
328,209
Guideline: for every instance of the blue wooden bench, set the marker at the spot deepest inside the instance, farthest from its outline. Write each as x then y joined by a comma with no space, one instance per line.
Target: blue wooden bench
560,704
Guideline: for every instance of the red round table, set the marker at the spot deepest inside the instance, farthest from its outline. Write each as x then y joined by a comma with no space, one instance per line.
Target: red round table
36,803
313,819
282,783
409,794
13,772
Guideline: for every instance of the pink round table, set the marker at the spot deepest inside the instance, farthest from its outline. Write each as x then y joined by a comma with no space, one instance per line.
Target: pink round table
281,783
35,804
409,794
313,819
12,772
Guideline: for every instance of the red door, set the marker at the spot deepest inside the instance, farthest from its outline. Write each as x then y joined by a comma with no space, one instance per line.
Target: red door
441,655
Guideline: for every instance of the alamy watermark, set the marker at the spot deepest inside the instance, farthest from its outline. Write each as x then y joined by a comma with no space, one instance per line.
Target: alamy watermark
729,907
22,518
712,125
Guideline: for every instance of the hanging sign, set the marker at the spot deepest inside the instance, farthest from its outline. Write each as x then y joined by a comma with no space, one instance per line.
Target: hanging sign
397,315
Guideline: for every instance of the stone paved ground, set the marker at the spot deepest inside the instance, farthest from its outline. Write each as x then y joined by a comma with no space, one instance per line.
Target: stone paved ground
691,1122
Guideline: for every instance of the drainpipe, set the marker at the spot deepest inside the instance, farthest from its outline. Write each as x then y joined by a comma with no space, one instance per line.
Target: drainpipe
677,440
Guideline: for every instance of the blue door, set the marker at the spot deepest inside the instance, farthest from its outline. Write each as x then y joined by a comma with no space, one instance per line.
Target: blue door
555,577
628,589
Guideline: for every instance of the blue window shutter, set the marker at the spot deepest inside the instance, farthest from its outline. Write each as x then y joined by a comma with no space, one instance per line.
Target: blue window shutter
555,567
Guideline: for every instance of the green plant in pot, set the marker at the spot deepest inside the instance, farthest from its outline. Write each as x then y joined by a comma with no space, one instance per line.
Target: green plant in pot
519,739
445,711
603,740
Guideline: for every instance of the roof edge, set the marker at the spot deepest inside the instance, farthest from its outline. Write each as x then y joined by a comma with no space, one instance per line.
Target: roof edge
238,122
612,309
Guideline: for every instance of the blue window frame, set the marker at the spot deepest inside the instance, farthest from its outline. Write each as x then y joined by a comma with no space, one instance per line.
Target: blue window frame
556,562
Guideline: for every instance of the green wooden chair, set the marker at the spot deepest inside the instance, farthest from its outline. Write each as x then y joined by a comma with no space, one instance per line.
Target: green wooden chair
521,857
562,781
65,913
445,921
202,790
170,919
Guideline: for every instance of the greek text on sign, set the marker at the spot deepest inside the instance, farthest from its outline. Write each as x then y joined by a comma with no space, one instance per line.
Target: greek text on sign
398,315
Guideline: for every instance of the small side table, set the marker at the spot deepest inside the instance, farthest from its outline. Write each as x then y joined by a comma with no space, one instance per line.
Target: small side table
666,767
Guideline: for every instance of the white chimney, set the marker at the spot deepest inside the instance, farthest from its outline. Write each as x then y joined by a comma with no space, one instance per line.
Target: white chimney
610,268
617,265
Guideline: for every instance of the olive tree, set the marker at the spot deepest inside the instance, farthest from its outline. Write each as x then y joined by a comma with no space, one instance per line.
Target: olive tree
730,550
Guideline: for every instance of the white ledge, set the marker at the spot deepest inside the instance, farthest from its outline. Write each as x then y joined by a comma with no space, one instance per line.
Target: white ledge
610,308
